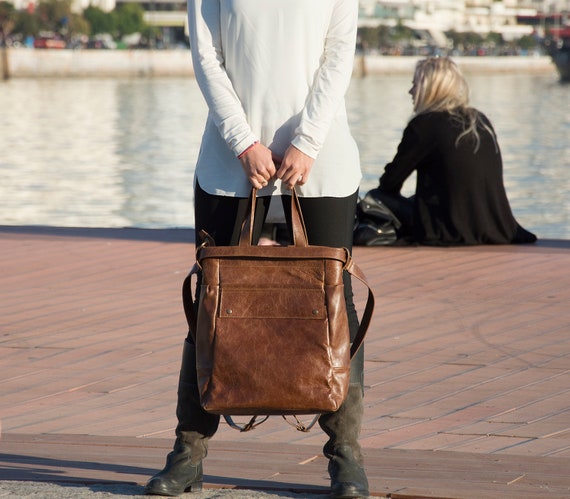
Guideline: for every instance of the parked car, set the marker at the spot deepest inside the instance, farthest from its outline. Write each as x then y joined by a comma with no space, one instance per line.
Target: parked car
44,42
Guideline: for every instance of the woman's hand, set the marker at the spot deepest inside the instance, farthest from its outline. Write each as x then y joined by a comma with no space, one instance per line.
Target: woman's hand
295,167
258,165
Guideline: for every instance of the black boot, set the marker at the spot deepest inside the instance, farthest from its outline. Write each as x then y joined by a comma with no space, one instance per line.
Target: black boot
182,473
348,478
183,469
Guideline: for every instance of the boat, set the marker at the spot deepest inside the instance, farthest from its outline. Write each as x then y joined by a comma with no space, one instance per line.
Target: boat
559,50
554,30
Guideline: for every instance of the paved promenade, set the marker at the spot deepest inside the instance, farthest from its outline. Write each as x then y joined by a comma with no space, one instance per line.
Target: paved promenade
467,372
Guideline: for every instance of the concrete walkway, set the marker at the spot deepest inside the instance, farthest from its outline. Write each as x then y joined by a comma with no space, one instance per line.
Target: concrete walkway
467,372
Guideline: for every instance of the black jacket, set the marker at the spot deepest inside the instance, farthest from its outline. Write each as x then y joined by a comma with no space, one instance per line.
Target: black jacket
460,196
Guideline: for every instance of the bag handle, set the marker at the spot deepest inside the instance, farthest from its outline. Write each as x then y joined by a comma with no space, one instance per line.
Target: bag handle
246,238
297,222
254,423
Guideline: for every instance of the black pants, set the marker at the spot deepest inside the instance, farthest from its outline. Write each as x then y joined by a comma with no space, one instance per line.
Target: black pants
329,222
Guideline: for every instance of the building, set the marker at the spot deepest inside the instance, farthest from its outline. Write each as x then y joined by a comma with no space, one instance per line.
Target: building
478,16
168,15
433,16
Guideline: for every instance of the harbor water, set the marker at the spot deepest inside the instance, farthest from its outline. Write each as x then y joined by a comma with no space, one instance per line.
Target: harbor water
118,152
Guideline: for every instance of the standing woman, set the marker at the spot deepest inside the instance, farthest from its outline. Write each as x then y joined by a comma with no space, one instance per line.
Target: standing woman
460,197
274,74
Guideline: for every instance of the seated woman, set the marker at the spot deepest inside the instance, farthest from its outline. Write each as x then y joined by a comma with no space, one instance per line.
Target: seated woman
460,198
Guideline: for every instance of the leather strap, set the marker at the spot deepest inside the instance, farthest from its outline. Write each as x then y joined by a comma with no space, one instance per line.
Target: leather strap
354,270
298,224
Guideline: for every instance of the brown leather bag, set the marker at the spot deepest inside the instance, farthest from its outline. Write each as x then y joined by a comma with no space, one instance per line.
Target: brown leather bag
271,330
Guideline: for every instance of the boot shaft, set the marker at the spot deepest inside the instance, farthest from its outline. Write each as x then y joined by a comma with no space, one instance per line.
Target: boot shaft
192,418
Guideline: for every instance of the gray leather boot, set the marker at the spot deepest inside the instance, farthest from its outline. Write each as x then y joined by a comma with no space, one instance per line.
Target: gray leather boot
183,469
348,478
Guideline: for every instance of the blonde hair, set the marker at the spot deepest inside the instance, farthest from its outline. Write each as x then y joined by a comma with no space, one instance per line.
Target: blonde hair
440,86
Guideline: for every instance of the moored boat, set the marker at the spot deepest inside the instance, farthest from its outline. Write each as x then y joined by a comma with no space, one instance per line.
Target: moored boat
559,50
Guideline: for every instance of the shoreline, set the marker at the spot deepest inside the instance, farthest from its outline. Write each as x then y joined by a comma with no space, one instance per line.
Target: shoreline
38,63
405,65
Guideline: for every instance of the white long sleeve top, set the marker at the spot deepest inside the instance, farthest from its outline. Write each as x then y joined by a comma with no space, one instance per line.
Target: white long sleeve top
275,71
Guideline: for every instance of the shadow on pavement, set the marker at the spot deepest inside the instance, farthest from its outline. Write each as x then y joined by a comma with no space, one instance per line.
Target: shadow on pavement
132,234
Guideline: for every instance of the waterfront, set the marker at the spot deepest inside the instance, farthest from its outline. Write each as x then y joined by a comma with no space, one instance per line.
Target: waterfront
120,152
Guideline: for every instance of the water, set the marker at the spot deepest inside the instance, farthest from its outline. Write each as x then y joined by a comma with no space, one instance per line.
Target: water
121,152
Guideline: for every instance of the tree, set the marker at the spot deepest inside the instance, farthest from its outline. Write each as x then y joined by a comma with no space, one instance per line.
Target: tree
464,41
7,15
54,15
99,20
78,25
375,37
527,42
402,33
7,21
27,24
129,18
494,39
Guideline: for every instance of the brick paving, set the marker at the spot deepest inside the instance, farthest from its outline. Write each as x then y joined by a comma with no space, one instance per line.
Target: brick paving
467,368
